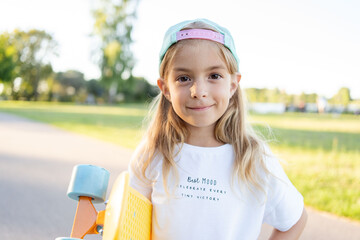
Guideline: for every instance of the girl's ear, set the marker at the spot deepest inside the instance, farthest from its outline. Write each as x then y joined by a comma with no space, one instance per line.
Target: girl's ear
238,77
162,85
235,83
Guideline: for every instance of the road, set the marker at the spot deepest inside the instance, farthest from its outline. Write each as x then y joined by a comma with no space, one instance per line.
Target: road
36,161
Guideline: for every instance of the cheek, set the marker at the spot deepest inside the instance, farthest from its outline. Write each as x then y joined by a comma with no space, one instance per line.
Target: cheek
177,102
223,100
176,94
224,94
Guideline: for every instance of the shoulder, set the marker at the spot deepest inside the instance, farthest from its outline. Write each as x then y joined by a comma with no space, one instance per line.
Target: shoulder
273,164
143,170
144,161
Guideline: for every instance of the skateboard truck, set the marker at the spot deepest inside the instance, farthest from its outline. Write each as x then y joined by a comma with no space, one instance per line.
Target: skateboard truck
88,184
127,215
87,220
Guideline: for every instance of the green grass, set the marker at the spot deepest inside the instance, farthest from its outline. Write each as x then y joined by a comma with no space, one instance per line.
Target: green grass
328,180
121,125
311,139
311,121
321,156
321,153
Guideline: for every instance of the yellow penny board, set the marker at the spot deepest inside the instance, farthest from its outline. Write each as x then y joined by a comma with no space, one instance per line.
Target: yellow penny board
128,213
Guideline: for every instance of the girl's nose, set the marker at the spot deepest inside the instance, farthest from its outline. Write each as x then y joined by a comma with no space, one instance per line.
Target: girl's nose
198,90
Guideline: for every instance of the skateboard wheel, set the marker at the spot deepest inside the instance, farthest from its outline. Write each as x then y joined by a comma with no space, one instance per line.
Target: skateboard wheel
88,181
66,238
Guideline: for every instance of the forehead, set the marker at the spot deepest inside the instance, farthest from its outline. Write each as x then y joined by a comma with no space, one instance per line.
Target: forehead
195,52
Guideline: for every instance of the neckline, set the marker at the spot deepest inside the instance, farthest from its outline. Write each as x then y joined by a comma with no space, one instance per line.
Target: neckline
193,148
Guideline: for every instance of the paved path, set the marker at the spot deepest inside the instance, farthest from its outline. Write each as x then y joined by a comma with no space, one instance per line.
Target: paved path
36,161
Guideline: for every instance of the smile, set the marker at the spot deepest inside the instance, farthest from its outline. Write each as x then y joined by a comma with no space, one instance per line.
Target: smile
200,108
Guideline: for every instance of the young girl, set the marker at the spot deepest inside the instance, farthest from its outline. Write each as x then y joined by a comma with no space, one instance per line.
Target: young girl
202,166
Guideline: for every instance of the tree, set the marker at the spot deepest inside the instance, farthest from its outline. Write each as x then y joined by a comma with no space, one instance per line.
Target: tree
113,26
7,59
71,83
71,78
342,97
33,50
265,95
139,90
94,88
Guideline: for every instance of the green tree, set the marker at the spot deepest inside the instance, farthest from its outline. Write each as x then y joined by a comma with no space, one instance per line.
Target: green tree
94,88
34,49
139,90
71,83
114,22
342,97
7,59
265,95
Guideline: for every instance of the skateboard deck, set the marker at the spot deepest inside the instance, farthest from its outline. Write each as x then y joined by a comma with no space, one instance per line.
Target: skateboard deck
128,213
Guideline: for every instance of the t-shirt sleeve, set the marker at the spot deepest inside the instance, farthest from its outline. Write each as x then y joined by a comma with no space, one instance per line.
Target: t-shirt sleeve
284,205
140,183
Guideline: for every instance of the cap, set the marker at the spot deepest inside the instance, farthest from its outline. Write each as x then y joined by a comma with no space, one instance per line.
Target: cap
175,34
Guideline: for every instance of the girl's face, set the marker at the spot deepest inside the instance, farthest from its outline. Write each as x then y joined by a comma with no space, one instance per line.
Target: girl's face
199,85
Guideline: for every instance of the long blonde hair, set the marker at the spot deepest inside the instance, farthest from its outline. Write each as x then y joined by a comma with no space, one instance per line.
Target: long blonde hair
166,129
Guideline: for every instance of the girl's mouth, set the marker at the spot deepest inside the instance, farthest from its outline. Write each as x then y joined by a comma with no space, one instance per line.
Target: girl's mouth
200,108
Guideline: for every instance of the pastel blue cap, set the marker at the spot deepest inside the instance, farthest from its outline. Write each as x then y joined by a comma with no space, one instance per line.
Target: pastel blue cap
170,36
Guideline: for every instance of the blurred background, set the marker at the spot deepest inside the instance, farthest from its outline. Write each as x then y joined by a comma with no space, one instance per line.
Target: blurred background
90,67
301,54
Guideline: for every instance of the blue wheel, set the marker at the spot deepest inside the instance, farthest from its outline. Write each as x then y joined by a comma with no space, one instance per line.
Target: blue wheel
88,181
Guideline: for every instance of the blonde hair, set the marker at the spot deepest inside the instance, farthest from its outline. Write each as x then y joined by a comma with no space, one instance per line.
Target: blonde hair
167,129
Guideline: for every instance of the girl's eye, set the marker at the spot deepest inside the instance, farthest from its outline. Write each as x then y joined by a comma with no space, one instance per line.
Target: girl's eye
215,76
183,79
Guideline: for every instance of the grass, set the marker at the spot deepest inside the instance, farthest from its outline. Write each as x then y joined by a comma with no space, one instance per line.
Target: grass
321,152
321,156
121,125
311,121
328,180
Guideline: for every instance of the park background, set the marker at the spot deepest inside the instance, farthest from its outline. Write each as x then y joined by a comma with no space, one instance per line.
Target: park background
299,63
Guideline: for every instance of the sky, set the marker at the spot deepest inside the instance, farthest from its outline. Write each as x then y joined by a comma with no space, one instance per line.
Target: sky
310,46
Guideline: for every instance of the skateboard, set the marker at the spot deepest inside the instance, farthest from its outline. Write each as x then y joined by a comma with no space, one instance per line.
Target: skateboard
127,215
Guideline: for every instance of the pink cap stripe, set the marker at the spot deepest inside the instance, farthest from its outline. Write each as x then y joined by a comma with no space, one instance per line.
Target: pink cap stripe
200,34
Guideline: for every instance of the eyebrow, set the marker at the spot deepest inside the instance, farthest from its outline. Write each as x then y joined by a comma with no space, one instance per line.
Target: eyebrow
182,69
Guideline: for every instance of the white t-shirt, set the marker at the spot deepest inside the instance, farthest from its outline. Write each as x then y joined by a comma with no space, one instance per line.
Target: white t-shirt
205,205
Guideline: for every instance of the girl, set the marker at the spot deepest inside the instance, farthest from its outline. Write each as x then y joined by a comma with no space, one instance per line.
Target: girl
202,166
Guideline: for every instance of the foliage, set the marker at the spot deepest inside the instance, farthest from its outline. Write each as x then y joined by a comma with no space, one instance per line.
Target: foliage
72,83
25,55
342,97
7,59
94,88
264,95
113,26
278,96
139,90
25,66
34,50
